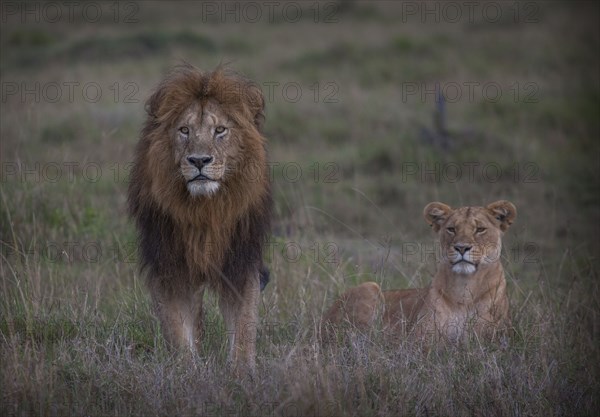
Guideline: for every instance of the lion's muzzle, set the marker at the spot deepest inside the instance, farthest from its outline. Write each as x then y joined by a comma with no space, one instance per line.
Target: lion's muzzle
201,174
199,161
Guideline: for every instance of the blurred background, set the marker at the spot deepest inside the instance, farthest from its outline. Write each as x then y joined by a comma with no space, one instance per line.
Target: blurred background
373,110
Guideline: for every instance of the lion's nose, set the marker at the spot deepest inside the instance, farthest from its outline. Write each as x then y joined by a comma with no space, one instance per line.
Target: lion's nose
462,248
199,161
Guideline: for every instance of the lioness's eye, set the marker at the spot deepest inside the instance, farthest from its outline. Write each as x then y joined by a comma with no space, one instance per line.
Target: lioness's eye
480,230
184,129
220,129
451,230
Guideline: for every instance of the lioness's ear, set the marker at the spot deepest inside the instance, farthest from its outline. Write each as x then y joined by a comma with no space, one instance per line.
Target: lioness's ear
503,211
256,102
436,214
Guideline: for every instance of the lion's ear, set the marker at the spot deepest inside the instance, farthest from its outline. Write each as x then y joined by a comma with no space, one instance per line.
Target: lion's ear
256,102
436,214
503,211
153,104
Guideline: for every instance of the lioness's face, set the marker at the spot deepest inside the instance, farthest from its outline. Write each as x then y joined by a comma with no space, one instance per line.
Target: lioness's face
204,145
470,237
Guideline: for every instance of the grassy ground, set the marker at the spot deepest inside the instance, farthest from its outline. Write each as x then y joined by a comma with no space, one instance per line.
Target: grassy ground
356,152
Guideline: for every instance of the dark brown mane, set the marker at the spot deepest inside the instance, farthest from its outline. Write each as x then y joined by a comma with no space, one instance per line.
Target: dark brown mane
216,239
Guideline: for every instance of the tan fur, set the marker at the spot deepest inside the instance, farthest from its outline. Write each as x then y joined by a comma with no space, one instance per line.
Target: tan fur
203,226
461,299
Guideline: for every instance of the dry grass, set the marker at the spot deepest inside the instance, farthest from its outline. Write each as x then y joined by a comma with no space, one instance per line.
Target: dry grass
77,336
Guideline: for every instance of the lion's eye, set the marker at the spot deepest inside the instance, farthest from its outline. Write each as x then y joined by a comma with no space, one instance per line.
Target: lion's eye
451,230
480,230
220,129
184,129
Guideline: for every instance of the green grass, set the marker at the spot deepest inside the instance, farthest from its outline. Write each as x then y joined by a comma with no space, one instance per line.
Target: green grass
77,333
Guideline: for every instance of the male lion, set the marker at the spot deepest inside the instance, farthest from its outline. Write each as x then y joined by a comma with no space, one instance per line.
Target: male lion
467,294
201,199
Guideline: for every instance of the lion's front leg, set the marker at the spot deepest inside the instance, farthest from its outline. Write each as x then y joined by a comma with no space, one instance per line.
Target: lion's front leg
240,313
180,317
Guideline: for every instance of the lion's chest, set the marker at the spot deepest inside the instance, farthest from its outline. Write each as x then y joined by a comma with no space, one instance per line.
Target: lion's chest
205,248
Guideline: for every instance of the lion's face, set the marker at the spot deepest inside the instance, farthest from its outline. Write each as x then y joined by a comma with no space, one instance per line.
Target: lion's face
205,144
202,138
470,237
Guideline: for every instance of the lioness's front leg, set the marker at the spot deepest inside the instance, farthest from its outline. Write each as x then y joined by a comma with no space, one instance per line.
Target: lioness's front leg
240,313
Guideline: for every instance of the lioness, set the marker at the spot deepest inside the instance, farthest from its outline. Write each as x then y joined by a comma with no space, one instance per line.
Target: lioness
468,291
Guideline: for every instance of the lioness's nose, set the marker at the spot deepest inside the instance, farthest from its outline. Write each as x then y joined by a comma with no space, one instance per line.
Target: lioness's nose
462,248
200,160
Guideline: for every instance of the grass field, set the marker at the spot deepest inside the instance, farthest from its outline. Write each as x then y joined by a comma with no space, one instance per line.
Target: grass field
358,145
